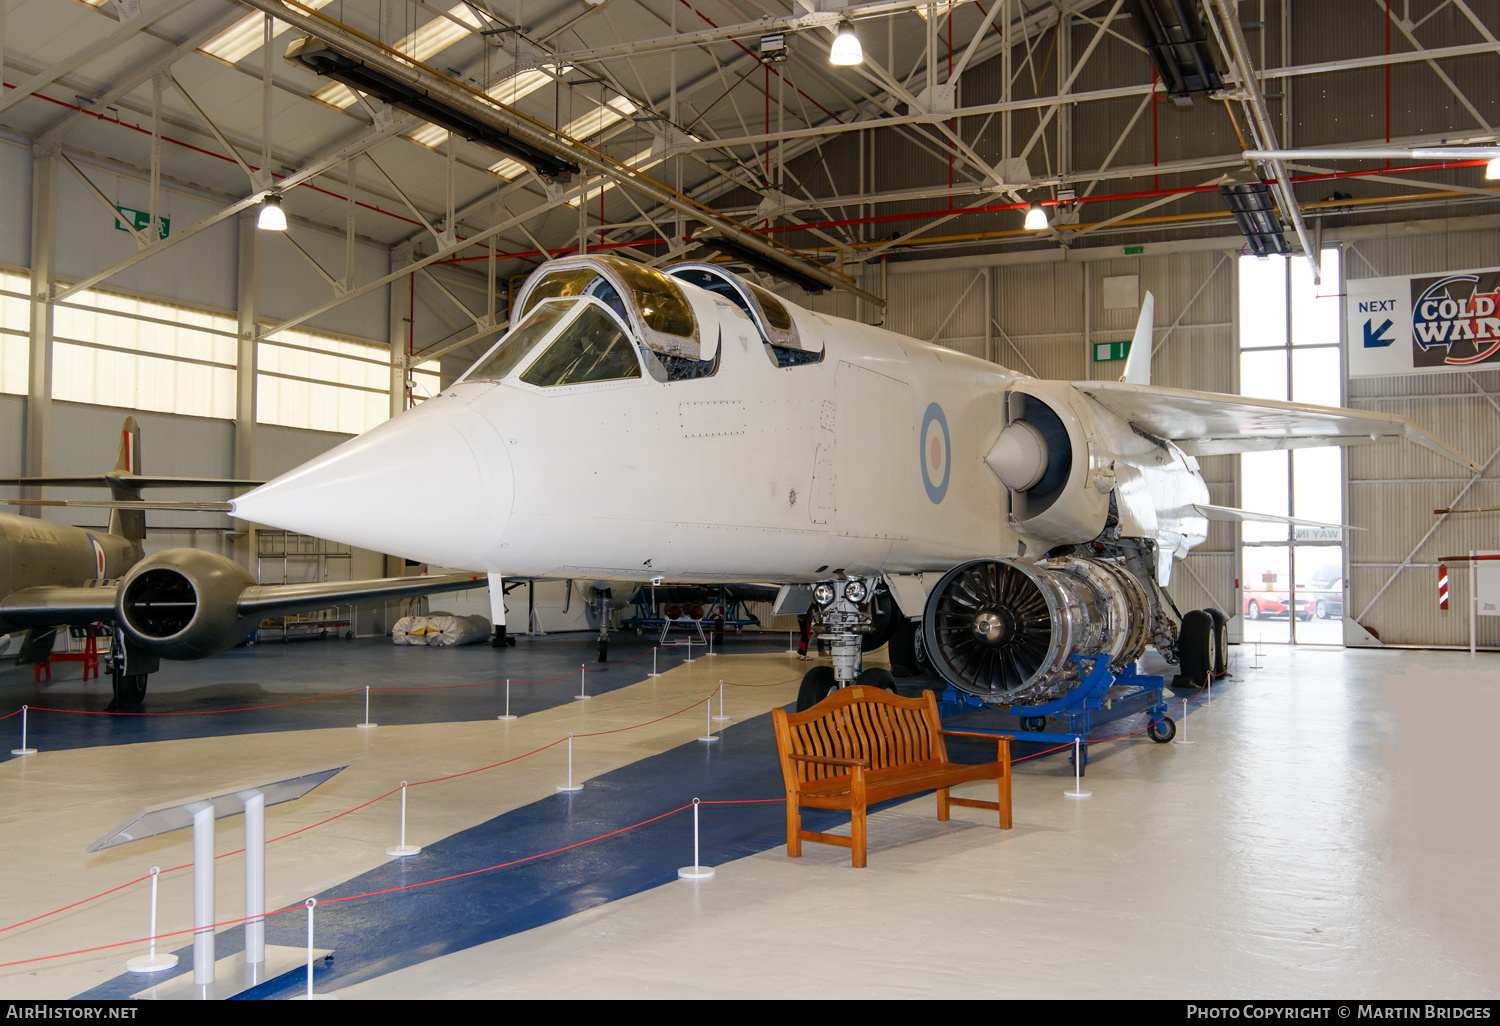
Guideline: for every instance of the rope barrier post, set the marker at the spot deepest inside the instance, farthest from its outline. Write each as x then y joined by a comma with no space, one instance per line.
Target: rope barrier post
690,649
1183,740
367,724
403,848
791,647
708,718
311,956
23,750
1078,791
721,717
581,696
697,871
507,715
570,786
710,642
151,962
653,672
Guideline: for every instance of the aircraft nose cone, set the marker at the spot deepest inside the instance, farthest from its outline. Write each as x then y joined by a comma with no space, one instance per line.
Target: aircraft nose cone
433,484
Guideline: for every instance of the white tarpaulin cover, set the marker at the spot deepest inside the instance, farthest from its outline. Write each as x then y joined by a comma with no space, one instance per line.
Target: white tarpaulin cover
444,629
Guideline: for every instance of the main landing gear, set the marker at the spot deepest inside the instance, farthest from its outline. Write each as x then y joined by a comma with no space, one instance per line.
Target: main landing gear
854,616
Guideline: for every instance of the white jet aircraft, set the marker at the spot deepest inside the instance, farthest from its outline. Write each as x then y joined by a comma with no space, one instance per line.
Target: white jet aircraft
687,425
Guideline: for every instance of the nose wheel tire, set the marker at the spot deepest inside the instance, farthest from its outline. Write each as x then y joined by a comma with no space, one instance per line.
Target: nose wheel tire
129,690
1162,731
877,677
817,684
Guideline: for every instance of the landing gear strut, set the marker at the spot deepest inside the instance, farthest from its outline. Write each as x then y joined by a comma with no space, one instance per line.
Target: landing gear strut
843,615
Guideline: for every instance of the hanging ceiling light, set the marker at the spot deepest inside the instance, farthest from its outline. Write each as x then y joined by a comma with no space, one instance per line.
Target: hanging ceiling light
1492,170
1036,218
271,218
845,50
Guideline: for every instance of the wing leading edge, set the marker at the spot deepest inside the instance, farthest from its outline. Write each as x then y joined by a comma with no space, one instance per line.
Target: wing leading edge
1214,424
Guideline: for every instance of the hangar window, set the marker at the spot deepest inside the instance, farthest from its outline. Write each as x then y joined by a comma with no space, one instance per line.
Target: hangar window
591,348
323,383
1289,350
15,332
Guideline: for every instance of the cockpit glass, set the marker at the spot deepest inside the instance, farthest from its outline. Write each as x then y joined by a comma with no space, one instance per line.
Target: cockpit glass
513,348
662,303
592,348
559,283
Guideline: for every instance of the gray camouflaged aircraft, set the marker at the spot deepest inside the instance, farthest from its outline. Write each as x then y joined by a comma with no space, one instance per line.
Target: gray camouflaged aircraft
174,604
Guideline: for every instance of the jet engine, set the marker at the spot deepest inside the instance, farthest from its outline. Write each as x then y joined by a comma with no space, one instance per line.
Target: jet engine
1005,630
1058,478
184,604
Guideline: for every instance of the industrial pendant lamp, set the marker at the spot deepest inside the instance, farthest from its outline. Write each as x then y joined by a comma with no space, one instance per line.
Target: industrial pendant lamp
271,218
846,50
1036,218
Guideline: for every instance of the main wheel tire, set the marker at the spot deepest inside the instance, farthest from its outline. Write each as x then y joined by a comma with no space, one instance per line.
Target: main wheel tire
603,651
1195,646
884,615
905,652
129,690
877,677
817,684
1162,731
1220,641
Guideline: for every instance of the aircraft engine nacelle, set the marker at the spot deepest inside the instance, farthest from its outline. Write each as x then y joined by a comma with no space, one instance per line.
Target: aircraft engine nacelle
1006,630
184,604
1051,458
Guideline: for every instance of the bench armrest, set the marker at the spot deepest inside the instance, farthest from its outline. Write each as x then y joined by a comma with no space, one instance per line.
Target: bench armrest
832,762
983,736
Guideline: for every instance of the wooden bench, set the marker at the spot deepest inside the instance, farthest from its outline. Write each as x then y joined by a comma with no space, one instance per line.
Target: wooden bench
863,745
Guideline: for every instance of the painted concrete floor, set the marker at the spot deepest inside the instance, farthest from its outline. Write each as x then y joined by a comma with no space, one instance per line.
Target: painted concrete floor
1332,833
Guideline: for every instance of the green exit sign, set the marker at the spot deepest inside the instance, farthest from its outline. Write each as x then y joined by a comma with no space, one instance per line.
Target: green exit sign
142,220
1104,352
1134,250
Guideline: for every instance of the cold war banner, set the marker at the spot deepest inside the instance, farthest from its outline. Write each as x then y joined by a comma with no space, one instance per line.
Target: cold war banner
1423,324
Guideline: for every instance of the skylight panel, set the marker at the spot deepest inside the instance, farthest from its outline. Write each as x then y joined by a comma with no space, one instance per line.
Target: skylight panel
244,37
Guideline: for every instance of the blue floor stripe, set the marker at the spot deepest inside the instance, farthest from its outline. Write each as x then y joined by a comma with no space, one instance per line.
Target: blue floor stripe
274,673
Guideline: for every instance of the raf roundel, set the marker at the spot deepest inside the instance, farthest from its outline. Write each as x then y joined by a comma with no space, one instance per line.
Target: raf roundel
934,454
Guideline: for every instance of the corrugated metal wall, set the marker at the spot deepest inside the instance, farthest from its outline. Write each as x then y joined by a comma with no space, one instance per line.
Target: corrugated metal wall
1394,489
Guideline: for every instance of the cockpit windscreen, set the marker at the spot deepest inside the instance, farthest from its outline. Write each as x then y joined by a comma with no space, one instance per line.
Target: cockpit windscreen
507,356
591,348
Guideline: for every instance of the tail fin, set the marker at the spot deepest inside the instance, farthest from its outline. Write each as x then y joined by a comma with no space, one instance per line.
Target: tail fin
1138,364
129,524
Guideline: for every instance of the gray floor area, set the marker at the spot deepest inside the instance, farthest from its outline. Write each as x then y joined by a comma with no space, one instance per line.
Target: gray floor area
1331,833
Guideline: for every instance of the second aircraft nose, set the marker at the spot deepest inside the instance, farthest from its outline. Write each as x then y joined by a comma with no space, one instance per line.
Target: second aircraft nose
433,484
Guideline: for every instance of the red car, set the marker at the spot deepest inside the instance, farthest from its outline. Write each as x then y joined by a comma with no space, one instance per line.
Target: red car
1261,604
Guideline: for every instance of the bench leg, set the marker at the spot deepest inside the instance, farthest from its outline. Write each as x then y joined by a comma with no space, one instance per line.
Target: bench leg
793,829
857,835
942,800
1003,800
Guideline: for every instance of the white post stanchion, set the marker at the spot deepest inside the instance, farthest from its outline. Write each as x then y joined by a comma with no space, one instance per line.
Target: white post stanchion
507,715
697,871
1473,605
653,672
151,962
581,696
23,750
570,786
791,646
708,720
1256,666
721,717
1078,791
690,650
1183,740
367,724
310,996
403,848
710,642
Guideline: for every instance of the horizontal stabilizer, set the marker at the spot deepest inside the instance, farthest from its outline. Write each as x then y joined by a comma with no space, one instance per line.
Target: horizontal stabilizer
1214,424
130,481
1230,513
273,599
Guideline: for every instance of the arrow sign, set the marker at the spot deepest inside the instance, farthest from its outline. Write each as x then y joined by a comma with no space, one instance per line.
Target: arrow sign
1376,339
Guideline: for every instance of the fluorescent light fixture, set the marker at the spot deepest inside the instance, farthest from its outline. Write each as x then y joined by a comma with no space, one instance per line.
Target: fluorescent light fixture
1036,218
846,50
245,36
1492,170
271,218
430,136
336,94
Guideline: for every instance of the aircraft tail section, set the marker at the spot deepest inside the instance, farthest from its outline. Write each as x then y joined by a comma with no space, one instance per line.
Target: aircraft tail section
129,524
1138,363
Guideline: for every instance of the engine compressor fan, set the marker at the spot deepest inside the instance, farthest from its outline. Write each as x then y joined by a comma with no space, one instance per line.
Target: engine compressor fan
1004,629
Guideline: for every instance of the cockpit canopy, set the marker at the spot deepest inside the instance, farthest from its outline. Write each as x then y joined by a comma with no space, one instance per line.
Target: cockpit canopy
662,314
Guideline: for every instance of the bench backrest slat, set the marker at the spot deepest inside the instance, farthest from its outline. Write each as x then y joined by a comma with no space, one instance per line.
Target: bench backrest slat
859,723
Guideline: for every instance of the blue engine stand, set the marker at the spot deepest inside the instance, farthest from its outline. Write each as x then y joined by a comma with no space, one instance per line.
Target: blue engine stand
1086,706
